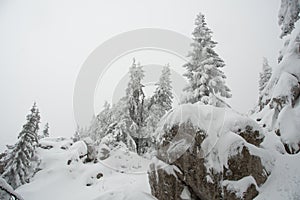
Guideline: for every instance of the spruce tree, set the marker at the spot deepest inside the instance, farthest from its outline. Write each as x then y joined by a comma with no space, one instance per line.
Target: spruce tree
19,166
102,122
94,127
161,101
265,75
163,94
46,130
135,101
134,93
206,80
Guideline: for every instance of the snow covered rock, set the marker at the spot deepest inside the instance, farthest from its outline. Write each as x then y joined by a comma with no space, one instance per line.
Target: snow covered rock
279,109
91,150
103,151
79,148
164,181
238,188
210,151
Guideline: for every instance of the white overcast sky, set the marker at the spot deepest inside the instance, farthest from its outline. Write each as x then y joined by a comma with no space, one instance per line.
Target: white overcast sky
44,44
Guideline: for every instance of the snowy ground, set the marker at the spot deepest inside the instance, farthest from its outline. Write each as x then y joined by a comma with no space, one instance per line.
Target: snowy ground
124,175
284,181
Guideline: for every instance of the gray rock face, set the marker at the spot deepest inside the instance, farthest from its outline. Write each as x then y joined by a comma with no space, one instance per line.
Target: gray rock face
164,185
204,174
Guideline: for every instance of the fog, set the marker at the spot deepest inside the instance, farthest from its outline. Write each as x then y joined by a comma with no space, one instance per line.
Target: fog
45,43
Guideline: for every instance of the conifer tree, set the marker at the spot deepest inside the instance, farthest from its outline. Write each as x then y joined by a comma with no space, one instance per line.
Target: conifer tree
135,101
206,80
46,130
19,166
134,93
101,122
161,101
265,75
163,93
288,16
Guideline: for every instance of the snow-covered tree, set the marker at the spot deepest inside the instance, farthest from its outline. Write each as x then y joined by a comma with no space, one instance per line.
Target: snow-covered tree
19,165
121,134
93,129
288,15
161,101
37,118
76,136
135,95
264,78
265,75
82,131
163,93
135,101
101,122
206,80
46,130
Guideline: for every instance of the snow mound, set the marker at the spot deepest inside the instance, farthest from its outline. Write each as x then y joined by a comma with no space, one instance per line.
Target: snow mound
124,161
79,147
214,121
221,128
64,175
289,126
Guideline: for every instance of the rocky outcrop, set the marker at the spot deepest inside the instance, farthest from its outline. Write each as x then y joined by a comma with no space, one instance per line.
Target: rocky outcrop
235,158
278,109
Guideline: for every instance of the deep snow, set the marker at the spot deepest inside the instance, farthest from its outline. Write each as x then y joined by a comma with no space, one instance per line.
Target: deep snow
78,181
125,177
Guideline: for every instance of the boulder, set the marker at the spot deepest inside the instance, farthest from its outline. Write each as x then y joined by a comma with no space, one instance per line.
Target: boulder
208,162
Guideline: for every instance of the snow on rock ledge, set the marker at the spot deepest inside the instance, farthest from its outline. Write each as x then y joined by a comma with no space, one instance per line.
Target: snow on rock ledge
208,146
178,129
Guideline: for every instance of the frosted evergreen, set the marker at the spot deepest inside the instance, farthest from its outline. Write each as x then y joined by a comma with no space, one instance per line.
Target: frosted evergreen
161,101
206,80
265,75
19,164
135,98
288,15
46,130
135,95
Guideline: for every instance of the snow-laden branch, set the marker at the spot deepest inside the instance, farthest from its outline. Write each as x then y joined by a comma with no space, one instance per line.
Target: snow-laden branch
7,188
